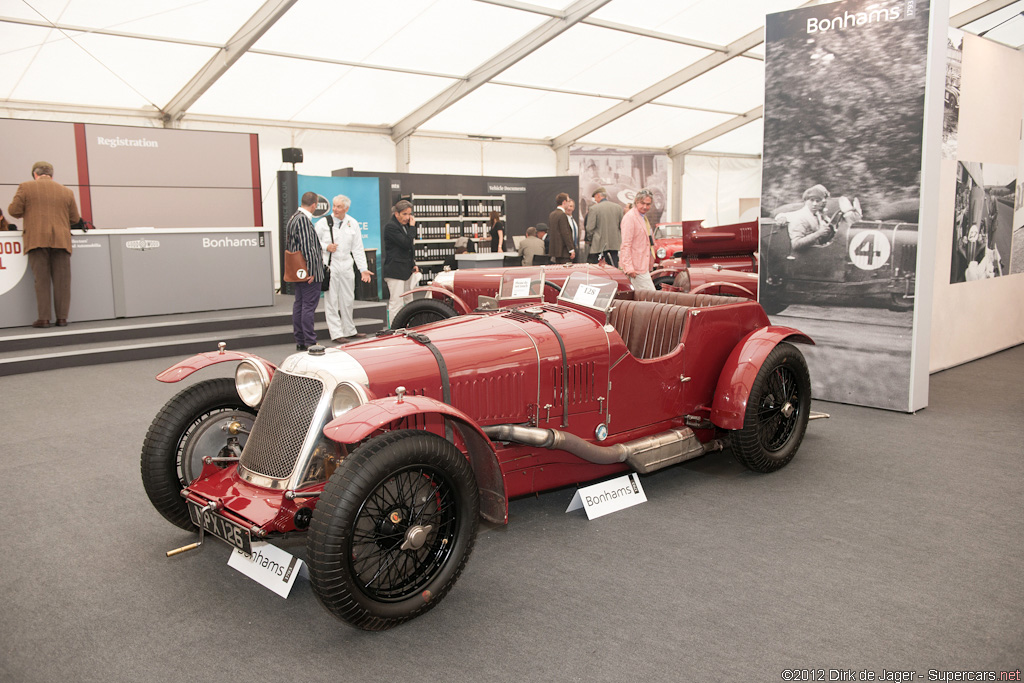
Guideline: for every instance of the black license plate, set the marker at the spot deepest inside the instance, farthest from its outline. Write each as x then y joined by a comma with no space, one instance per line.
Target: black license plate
229,532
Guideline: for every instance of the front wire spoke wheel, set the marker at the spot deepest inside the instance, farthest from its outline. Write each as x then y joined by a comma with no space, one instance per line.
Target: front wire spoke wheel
393,529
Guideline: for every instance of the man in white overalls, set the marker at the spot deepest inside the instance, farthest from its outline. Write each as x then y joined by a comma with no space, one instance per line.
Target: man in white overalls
342,242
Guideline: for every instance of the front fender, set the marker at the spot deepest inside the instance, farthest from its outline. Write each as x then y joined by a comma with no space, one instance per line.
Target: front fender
460,306
180,371
740,370
358,423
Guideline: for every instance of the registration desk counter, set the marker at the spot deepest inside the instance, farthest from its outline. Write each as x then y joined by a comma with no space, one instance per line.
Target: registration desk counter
146,271
477,260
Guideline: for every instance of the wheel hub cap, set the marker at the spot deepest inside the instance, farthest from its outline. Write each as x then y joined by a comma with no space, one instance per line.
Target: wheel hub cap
416,536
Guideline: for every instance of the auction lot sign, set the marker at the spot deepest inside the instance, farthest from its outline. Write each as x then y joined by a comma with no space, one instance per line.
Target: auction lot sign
845,112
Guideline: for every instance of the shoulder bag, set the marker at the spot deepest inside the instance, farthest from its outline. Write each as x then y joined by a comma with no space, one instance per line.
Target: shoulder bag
325,284
294,265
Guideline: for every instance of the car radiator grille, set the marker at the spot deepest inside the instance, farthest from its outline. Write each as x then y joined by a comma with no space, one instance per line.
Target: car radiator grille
281,425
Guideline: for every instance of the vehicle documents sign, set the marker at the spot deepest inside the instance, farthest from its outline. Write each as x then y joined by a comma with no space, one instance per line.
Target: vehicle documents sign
609,496
267,565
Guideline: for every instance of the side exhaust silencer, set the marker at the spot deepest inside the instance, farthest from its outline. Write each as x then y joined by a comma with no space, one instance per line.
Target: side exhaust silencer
643,455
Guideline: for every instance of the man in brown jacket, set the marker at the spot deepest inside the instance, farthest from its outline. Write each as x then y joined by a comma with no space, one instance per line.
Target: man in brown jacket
48,209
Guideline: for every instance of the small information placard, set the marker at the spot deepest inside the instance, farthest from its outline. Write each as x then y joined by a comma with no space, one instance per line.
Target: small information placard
520,287
269,566
586,295
609,496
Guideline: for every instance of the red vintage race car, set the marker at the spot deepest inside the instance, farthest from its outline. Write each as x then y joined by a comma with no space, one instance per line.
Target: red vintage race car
459,292
386,452
726,246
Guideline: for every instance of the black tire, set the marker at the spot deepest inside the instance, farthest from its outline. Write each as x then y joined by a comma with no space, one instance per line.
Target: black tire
368,510
773,307
777,412
659,282
187,428
771,300
898,302
420,312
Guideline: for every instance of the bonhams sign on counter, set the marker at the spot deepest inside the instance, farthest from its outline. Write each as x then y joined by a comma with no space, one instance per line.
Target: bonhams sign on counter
145,271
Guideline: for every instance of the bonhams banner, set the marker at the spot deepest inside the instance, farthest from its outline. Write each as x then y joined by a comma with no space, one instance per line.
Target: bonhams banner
842,181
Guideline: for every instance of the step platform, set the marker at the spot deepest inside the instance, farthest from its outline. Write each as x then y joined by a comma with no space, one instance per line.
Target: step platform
28,349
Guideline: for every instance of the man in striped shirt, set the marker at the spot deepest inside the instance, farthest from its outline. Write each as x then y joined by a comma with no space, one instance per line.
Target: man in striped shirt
300,236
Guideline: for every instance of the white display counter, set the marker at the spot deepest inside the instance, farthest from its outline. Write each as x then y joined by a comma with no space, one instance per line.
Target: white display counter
488,260
146,271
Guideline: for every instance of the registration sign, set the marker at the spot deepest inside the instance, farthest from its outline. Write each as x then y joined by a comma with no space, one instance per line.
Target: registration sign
212,523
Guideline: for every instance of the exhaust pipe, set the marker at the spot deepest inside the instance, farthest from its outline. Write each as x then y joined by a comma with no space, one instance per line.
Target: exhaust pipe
643,455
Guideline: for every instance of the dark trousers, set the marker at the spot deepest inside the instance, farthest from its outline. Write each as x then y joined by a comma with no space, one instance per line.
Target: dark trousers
51,264
307,296
610,257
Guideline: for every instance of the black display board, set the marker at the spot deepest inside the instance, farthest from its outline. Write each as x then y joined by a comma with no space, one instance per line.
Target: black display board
528,201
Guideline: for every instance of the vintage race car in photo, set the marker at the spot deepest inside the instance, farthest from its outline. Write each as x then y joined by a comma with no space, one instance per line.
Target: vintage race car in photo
386,452
864,263
459,292
724,246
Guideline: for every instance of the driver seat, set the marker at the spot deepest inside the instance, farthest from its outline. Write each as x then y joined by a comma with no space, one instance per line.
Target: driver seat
650,329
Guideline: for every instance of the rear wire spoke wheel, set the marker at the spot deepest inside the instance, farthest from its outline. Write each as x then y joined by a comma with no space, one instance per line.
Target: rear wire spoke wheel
777,411
420,312
191,426
393,529
660,282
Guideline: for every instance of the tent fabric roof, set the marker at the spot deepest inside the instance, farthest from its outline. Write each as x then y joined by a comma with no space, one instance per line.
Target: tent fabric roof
677,75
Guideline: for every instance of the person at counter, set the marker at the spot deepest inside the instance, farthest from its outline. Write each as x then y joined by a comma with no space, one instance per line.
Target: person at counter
400,270
342,241
48,209
531,246
301,236
4,225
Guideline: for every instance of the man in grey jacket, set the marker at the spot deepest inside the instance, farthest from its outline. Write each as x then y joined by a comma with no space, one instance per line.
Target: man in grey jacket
602,225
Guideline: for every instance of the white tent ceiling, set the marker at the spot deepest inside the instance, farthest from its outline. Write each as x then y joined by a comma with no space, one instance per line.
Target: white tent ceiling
677,75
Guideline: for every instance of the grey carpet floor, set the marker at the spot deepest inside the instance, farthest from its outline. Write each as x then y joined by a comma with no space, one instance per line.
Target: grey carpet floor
891,542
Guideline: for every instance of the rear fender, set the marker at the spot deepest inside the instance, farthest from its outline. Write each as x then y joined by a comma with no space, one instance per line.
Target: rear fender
359,423
181,370
741,368
433,292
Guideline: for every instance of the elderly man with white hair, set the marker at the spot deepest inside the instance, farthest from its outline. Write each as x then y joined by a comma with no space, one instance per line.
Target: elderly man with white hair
342,242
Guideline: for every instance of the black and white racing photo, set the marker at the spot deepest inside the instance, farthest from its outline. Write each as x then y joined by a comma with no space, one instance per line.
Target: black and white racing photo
844,102
982,221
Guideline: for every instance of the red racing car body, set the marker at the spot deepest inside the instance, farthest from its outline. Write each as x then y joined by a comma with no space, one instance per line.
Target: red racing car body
726,246
386,452
459,292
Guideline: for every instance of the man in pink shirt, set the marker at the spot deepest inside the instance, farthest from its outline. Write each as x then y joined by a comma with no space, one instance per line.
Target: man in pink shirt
636,254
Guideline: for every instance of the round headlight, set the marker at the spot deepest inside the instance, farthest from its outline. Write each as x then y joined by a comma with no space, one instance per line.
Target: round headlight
661,252
445,279
345,399
251,382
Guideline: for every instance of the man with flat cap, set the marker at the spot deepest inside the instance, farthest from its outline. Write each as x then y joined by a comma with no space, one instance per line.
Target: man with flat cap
603,235
808,226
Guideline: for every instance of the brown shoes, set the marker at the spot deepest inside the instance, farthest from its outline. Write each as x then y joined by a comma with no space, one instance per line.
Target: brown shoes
62,322
42,323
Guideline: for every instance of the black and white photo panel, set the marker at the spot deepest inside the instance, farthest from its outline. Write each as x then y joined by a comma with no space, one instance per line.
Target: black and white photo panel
982,221
841,187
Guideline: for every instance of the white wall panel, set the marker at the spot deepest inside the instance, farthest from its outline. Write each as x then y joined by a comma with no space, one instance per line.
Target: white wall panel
975,319
714,186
